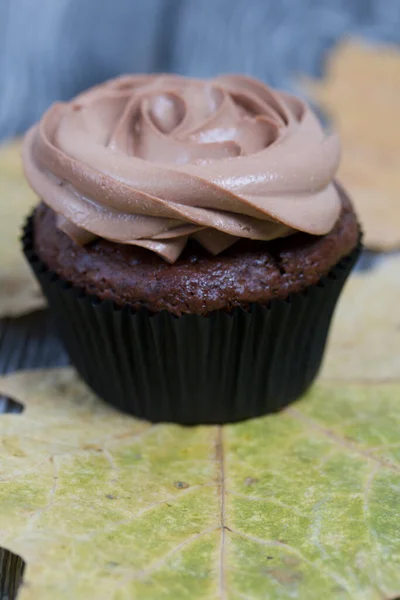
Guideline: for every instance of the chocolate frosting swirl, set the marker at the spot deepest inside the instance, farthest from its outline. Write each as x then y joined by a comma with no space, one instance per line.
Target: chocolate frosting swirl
154,159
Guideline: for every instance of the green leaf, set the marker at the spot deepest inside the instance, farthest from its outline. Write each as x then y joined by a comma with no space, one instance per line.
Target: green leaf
303,504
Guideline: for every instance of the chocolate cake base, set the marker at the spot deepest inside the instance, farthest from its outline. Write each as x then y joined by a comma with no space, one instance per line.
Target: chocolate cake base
198,283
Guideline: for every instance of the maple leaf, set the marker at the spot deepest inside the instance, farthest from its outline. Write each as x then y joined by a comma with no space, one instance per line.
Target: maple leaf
364,342
19,292
300,504
360,93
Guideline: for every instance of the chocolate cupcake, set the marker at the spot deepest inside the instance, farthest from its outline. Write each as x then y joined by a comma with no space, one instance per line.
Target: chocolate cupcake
191,242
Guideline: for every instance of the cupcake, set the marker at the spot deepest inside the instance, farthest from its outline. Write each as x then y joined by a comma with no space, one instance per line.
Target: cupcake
191,241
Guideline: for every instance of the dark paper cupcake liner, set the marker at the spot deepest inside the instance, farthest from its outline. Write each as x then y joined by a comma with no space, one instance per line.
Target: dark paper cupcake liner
194,369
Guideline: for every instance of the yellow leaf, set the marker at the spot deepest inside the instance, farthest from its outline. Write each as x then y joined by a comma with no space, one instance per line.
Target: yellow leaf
19,292
365,337
302,504
361,93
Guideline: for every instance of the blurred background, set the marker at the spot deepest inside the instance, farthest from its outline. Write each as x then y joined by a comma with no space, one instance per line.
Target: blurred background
52,49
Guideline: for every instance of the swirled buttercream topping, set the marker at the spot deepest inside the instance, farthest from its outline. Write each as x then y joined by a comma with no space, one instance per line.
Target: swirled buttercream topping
152,160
